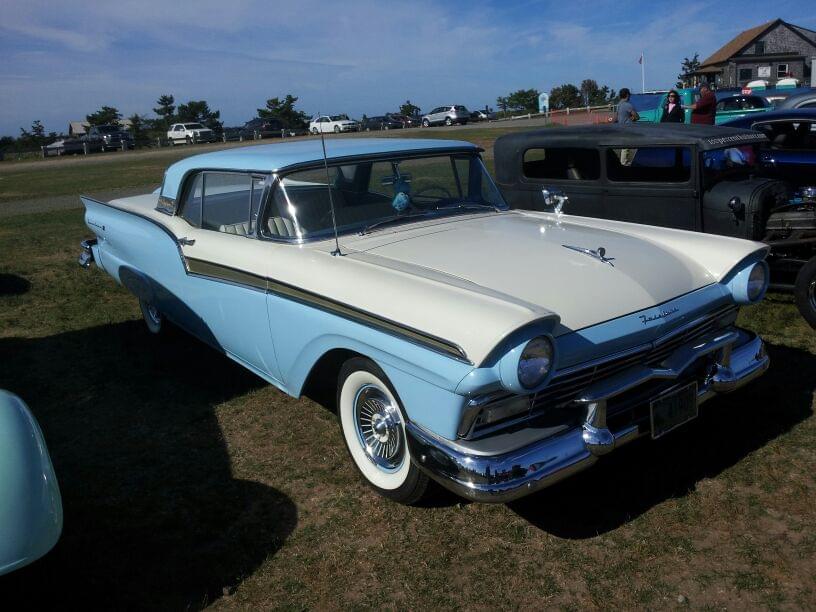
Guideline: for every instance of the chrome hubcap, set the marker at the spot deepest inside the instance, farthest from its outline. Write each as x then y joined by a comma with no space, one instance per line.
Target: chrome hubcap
379,428
154,314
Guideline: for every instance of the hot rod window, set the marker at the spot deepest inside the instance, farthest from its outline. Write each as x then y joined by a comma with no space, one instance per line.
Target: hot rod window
649,165
562,163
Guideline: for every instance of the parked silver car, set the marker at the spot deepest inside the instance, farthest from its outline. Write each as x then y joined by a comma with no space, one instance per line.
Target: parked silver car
448,115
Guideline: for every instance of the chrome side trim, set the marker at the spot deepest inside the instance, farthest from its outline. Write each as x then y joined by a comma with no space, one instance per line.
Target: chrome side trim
223,273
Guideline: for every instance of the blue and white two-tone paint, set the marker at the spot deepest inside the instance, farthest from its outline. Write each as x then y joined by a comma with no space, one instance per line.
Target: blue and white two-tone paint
464,342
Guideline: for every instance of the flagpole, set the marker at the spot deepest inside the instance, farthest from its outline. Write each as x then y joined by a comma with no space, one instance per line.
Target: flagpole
642,72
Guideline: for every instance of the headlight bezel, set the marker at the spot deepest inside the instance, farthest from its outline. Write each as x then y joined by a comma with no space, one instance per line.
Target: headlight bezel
746,288
510,365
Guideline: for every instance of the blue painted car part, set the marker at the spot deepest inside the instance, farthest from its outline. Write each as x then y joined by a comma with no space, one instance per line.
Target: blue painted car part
30,503
273,158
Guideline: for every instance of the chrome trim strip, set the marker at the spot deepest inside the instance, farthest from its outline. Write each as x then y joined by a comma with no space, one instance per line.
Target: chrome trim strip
223,273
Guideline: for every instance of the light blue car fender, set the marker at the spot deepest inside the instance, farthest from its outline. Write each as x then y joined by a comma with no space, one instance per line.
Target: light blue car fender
30,503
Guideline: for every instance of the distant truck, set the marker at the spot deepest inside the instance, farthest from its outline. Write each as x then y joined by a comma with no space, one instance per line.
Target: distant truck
107,137
189,133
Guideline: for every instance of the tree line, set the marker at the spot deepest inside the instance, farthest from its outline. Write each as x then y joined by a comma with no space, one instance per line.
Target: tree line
588,93
147,129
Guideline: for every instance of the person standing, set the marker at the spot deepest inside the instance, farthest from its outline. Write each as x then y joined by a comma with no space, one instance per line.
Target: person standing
626,112
672,111
703,110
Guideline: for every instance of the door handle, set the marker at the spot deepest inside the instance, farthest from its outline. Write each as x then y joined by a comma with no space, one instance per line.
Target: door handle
186,241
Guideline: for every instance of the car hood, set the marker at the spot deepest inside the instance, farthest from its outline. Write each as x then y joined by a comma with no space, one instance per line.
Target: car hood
542,261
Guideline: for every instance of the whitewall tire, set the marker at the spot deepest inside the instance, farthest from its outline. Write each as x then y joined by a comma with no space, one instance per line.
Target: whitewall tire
373,425
152,317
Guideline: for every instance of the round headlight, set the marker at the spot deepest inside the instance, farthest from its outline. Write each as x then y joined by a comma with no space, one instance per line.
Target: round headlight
535,362
757,281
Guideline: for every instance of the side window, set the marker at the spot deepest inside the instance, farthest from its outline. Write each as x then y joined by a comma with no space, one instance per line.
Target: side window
649,165
191,207
226,202
558,163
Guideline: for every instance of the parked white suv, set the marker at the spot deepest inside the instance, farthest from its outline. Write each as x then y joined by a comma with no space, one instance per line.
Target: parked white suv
333,123
189,133
454,113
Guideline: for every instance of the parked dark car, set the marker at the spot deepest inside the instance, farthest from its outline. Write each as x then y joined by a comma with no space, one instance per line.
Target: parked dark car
692,177
108,137
258,128
805,99
380,122
406,120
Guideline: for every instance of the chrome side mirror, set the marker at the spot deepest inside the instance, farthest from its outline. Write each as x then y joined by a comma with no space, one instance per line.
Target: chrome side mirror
554,199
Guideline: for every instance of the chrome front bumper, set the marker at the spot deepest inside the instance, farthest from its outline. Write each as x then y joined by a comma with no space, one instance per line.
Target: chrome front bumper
501,477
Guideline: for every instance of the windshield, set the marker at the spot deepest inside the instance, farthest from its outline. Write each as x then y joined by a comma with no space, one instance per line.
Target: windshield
371,193
729,164
194,126
108,129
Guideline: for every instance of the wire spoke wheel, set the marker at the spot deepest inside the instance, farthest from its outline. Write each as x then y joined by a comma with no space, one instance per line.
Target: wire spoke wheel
379,428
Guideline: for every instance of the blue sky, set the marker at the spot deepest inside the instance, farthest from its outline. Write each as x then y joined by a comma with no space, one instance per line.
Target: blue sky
63,60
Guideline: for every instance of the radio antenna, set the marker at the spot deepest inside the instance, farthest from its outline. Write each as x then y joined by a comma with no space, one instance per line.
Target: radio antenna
336,250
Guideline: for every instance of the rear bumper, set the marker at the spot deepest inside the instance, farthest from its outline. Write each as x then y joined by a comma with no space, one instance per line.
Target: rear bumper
505,476
86,255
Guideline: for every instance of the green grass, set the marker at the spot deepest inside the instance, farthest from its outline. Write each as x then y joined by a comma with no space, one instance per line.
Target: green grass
188,482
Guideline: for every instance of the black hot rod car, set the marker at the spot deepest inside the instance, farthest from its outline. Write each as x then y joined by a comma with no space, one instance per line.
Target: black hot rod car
701,178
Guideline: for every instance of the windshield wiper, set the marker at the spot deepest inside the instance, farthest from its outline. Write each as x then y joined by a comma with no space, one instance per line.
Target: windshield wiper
396,219
470,205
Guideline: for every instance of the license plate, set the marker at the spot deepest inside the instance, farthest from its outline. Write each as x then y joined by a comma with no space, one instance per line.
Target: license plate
673,410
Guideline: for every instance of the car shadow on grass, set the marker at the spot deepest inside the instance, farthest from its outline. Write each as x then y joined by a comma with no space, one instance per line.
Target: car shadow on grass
153,515
11,284
630,481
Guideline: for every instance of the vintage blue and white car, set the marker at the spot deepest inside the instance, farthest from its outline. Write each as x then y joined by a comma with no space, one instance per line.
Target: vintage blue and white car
30,502
492,350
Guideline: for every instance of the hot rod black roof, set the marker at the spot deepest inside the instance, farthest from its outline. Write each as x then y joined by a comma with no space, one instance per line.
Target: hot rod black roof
630,135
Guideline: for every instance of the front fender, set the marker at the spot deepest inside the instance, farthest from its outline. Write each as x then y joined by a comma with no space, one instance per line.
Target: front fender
30,503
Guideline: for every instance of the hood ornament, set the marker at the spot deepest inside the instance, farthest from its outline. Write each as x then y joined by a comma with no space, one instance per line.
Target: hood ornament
599,254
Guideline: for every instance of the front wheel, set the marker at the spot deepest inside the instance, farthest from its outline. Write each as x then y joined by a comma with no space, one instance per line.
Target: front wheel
426,123
153,318
448,121
314,131
373,426
805,291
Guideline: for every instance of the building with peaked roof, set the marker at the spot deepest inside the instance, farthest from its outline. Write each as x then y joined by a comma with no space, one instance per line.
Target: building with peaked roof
771,51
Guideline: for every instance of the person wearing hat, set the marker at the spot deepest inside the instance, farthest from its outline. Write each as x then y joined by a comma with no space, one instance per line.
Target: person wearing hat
704,109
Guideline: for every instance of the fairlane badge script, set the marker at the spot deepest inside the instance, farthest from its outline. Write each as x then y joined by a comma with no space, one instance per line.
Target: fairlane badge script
660,315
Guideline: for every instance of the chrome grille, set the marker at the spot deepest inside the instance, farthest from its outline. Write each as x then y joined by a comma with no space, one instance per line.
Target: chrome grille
565,386
568,384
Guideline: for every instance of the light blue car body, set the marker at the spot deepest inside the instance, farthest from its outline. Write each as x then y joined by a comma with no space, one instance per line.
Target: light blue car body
283,334
30,503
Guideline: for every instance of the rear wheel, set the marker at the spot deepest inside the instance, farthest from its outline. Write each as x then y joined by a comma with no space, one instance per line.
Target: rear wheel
153,318
373,426
805,291
336,129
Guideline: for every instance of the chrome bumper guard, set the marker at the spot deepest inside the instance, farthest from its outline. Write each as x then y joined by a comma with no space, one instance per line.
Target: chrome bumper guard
86,256
739,358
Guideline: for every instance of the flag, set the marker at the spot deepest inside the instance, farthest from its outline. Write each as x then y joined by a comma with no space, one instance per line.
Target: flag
640,59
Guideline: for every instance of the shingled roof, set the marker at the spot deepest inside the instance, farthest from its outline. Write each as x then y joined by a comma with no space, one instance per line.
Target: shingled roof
741,40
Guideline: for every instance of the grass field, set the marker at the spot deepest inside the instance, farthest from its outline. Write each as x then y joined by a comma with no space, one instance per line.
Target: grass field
188,482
